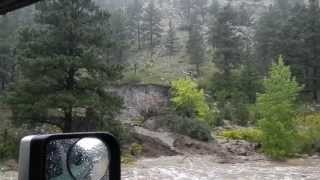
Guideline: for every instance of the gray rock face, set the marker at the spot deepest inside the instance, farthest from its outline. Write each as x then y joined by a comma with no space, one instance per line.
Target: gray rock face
142,101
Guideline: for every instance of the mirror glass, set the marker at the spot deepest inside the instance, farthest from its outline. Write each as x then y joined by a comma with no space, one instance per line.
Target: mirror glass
77,159
88,159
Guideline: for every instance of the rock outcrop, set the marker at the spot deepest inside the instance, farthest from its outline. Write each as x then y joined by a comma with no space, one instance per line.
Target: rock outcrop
142,101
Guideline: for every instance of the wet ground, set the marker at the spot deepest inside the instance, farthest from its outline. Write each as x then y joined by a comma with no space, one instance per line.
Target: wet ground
208,168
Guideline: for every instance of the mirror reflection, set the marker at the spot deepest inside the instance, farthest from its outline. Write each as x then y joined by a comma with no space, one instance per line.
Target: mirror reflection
77,159
88,159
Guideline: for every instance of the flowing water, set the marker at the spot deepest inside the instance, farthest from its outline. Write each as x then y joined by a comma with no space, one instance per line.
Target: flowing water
207,168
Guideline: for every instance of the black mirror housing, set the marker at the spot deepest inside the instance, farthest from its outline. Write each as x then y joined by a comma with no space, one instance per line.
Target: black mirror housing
34,149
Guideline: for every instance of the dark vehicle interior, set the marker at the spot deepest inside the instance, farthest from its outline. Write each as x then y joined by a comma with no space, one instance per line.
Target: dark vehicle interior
10,5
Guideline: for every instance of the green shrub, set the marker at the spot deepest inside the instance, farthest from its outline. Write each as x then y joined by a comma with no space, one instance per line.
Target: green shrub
309,132
247,134
127,158
132,78
188,100
187,126
212,118
277,107
9,146
136,149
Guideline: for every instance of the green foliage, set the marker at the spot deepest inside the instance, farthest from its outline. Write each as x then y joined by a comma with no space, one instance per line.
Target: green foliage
136,149
151,26
120,35
293,31
172,44
236,93
7,42
132,78
308,126
134,12
9,146
188,100
248,134
224,41
187,126
235,86
64,66
195,44
127,158
277,107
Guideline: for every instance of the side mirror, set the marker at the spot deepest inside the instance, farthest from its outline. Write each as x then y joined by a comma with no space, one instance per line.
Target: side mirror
76,156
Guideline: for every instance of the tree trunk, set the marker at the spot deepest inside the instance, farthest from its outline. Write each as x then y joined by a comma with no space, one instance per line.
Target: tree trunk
139,36
198,70
3,84
67,121
315,84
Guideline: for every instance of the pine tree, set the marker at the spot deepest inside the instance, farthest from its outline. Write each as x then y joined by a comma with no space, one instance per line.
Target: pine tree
244,17
227,55
119,34
277,106
309,25
214,8
134,13
201,9
296,35
269,38
172,40
195,44
185,10
152,26
7,60
224,41
64,67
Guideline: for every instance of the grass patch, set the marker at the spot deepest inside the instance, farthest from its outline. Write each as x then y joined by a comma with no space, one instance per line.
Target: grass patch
248,134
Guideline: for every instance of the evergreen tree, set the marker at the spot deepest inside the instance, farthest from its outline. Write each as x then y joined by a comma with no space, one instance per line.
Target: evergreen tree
296,35
185,10
195,44
309,59
226,86
277,106
214,7
65,68
134,13
283,5
172,40
224,41
244,16
7,60
152,26
201,7
269,38
119,34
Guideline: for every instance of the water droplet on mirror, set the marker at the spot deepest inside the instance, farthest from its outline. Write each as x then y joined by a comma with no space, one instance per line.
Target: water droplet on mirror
88,159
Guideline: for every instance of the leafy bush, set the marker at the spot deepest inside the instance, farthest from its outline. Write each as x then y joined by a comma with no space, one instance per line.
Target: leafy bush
136,149
309,132
9,146
127,158
187,126
247,134
190,101
277,107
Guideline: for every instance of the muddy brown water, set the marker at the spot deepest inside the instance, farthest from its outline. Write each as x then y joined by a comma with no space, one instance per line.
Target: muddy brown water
207,168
